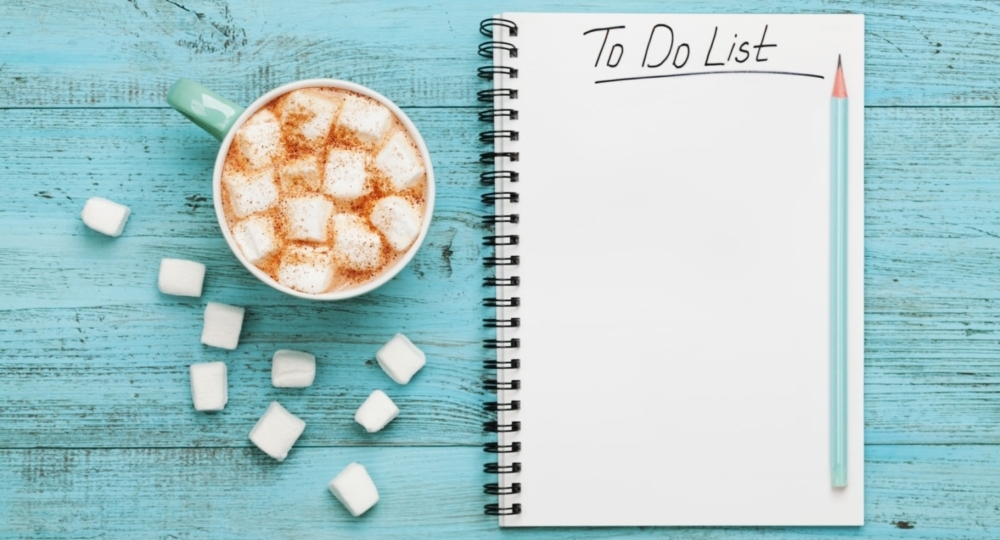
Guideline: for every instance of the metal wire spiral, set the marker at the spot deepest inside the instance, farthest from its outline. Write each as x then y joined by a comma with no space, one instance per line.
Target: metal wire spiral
490,178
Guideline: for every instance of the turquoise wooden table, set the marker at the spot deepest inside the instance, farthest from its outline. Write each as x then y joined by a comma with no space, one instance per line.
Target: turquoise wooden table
97,434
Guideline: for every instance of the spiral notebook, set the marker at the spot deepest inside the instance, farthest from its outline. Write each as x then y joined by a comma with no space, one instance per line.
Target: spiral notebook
659,237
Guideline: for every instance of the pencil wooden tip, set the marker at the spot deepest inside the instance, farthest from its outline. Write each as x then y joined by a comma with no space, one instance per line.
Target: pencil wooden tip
839,87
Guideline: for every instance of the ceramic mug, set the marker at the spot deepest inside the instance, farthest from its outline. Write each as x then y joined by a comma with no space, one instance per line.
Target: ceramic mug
222,118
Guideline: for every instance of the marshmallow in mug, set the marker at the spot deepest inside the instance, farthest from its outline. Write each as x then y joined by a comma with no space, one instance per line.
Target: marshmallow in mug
324,189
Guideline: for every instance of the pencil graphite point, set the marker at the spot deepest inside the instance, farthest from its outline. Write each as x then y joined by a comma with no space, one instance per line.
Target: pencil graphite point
839,87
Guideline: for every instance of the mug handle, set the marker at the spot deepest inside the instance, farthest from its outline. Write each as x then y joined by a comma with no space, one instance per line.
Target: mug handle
212,112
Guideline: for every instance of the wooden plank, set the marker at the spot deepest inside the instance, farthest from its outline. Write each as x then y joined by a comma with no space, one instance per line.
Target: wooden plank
118,375
913,492
90,347
94,355
931,317
160,165
63,54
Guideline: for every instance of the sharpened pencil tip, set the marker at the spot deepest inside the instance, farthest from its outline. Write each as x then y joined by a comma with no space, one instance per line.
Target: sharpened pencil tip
839,86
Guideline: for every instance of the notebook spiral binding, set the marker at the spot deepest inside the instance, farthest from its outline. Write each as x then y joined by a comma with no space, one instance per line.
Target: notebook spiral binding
499,176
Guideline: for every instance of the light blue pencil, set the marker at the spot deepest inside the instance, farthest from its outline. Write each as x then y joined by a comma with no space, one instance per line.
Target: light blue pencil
838,280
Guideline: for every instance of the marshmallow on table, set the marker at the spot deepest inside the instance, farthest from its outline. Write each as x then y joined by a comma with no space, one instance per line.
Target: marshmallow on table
354,489
259,138
309,113
222,325
364,116
277,431
400,359
345,176
292,369
398,220
355,244
255,237
181,278
249,194
301,172
104,216
306,269
399,162
209,387
307,218
377,411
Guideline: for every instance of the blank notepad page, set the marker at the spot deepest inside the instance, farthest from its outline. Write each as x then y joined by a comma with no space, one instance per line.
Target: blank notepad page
674,222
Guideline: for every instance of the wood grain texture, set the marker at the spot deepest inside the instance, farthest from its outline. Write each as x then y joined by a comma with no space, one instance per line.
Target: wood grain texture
97,435
75,318
107,53
161,166
912,492
102,356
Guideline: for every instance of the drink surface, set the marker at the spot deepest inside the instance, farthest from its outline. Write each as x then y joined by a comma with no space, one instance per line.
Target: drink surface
323,189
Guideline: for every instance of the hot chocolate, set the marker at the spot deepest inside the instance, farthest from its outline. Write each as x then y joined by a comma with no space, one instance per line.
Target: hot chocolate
323,189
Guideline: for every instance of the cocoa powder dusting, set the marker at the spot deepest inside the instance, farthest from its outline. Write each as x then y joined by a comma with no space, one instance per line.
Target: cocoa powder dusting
294,148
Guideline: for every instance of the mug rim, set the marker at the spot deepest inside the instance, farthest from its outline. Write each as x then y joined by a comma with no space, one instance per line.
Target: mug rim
429,197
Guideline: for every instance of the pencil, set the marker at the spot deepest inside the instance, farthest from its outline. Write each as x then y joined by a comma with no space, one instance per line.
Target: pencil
838,280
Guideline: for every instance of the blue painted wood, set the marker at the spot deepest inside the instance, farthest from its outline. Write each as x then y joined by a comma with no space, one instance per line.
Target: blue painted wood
85,309
63,53
912,492
97,436
930,350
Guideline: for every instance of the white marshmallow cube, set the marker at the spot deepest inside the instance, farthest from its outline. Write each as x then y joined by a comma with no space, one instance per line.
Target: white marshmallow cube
399,162
292,369
398,220
400,359
364,116
354,489
345,176
222,325
249,194
181,278
306,269
209,386
259,138
377,411
307,218
355,244
302,172
255,237
276,432
104,216
309,113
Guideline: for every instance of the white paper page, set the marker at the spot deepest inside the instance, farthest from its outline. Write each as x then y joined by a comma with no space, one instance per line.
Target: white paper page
674,248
